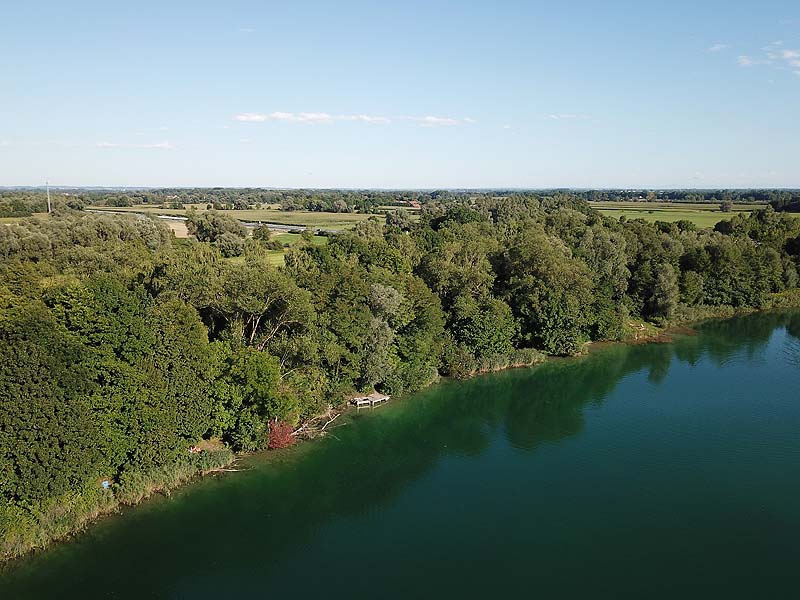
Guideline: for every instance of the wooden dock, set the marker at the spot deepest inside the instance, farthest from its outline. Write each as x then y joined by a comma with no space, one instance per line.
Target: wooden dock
371,400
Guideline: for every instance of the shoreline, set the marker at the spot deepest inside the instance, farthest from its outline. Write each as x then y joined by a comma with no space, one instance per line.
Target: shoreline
74,512
168,478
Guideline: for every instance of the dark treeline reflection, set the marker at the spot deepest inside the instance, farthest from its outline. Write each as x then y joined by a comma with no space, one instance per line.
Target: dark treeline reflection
793,326
793,345
749,335
257,516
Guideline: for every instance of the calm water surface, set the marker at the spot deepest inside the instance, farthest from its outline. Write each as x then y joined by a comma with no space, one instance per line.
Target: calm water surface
638,471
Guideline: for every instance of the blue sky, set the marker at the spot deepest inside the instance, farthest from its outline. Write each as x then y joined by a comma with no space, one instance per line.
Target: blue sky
401,94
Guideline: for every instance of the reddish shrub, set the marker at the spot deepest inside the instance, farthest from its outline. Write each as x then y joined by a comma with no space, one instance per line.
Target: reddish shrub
280,435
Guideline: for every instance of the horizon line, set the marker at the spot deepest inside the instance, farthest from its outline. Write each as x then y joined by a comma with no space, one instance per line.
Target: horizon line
399,189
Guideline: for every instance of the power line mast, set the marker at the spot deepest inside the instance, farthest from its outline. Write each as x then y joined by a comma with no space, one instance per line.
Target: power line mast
49,208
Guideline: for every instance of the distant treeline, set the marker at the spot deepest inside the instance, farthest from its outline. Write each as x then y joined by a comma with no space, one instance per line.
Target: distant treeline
26,202
21,203
121,348
777,198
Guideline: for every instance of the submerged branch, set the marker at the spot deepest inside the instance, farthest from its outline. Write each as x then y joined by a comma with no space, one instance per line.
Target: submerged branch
315,427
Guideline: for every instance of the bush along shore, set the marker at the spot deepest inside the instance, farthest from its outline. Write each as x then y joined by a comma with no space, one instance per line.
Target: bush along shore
25,530
123,350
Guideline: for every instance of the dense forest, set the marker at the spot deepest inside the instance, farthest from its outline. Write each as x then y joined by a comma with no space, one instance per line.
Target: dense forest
123,349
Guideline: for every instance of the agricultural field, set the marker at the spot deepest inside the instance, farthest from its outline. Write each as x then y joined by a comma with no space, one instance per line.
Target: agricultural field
276,257
384,208
290,239
299,218
702,215
8,220
179,228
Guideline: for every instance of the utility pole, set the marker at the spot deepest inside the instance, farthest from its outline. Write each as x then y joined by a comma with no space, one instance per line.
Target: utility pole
49,208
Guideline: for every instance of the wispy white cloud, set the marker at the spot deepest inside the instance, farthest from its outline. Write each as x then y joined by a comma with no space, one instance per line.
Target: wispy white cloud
250,117
324,117
5,143
775,55
155,146
718,47
364,118
568,117
247,30
245,140
791,57
748,61
303,117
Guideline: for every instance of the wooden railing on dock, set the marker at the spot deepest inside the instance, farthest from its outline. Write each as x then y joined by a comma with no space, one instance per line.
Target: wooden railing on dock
371,400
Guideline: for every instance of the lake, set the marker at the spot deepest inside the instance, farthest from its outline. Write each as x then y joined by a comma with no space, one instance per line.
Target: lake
645,471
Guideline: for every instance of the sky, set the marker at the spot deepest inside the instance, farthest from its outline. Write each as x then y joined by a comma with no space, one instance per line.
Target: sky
391,94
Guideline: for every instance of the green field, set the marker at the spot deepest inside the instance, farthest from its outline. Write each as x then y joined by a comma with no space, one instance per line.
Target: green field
276,257
391,208
299,218
702,215
290,239
17,219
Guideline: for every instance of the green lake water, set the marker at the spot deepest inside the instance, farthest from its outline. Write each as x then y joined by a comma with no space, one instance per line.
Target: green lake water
652,471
